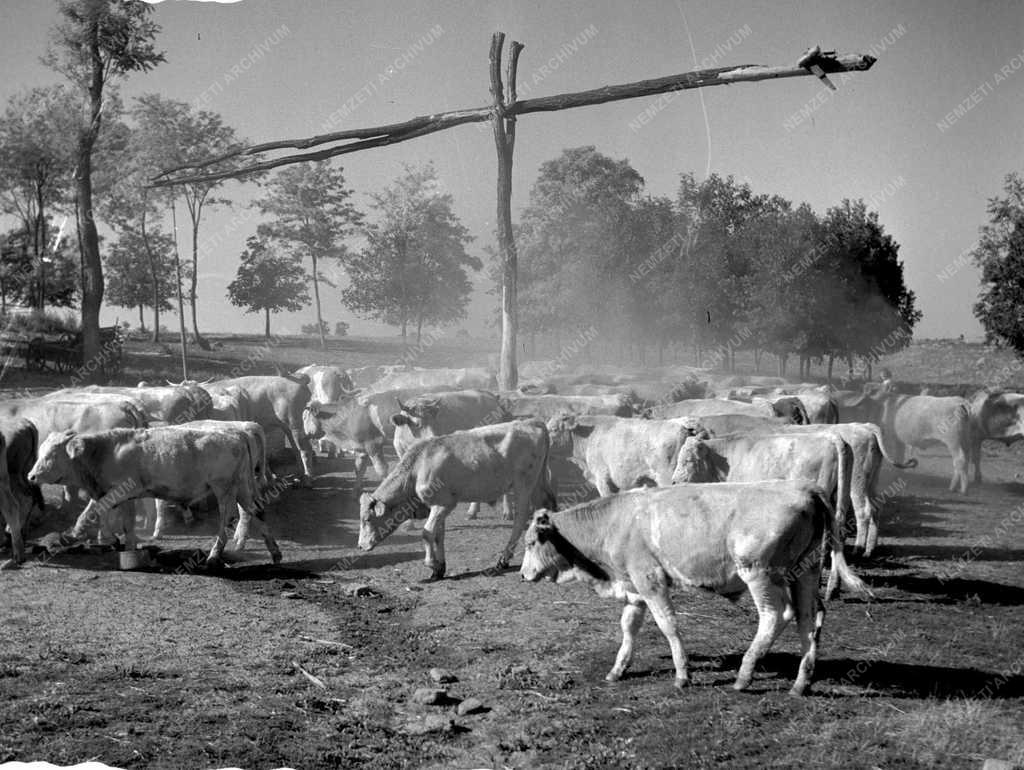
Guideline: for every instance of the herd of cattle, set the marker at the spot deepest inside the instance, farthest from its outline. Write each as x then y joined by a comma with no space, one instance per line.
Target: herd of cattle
791,461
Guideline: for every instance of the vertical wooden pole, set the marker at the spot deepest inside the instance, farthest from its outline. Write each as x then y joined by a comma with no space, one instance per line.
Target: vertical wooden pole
181,299
504,142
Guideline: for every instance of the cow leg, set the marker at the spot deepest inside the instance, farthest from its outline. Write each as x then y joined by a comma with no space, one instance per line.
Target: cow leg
15,525
126,513
975,459
247,508
241,529
433,540
520,521
959,471
360,463
771,601
810,613
297,437
376,455
226,505
474,510
661,609
631,620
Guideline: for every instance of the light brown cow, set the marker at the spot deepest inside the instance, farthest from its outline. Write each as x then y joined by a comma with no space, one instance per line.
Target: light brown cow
277,403
479,465
919,421
172,463
995,415
619,453
817,458
766,538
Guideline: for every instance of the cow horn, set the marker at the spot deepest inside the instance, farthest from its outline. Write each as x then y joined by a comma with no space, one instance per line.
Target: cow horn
173,384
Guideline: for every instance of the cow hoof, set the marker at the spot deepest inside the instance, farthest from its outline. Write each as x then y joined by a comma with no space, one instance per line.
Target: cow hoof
276,557
306,482
9,565
741,684
681,684
436,573
799,689
502,564
215,564
612,676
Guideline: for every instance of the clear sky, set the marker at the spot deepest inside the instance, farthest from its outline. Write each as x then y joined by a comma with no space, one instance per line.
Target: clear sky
881,137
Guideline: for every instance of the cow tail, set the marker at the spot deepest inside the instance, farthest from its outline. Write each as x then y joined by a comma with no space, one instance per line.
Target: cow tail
546,479
34,490
911,463
837,529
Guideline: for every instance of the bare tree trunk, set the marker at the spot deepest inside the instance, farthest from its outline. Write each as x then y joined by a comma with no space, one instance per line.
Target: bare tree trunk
142,321
831,360
181,298
419,328
266,327
153,274
200,341
92,265
316,295
504,141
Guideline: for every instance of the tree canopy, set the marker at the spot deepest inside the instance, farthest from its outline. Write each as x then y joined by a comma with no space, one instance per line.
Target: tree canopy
268,282
1000,255
413,269
312,215
720,267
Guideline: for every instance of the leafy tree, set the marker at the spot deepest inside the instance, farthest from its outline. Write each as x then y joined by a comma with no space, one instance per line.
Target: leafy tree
870,302
312,215
132,281
51,280
268,282
175,134
571,239
1000,255
413,269
93,43
35,168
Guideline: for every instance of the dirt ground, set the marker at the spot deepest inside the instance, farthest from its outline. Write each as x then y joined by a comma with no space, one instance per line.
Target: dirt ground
176,668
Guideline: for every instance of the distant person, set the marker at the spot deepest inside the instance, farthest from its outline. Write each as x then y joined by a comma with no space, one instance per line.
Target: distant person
885,378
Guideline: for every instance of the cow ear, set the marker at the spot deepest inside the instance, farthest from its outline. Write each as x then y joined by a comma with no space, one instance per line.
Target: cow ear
400,419
75,447
366,502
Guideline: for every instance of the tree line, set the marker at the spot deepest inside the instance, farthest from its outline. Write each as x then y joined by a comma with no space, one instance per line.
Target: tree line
716,269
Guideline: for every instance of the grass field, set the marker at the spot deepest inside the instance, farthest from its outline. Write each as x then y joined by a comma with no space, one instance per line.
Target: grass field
177,668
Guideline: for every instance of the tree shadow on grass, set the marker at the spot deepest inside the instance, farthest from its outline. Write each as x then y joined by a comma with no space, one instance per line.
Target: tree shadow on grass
912,516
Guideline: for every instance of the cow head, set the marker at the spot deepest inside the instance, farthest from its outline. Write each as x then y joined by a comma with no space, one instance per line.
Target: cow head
695,464
312,416
417,415
792,409
541,558
377,520
562,428
55,459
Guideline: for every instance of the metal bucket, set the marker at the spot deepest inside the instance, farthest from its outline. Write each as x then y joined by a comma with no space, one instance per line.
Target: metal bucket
133,559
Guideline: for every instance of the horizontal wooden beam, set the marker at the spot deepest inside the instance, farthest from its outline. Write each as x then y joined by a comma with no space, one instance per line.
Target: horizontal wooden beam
379,136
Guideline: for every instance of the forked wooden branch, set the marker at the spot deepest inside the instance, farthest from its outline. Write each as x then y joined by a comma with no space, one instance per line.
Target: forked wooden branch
811,63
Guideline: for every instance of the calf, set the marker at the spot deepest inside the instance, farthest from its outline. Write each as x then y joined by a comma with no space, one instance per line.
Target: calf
472,466
174,463
766,538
